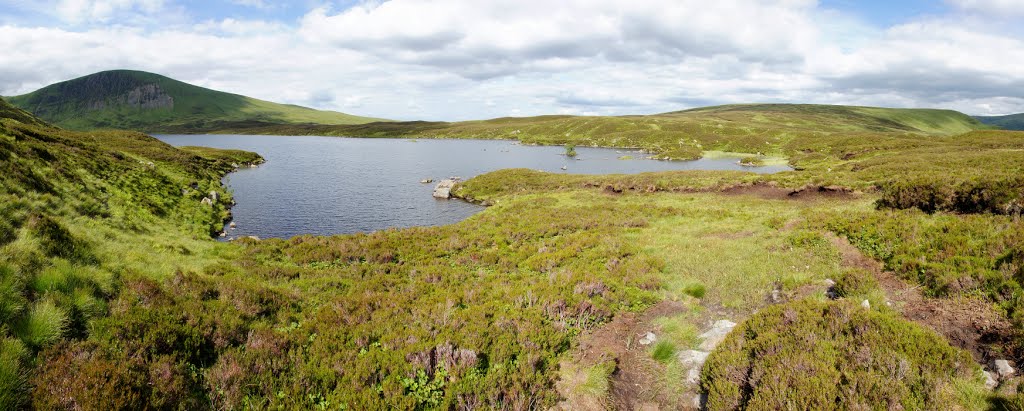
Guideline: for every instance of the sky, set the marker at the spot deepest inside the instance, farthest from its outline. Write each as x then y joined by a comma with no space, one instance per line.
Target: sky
475,59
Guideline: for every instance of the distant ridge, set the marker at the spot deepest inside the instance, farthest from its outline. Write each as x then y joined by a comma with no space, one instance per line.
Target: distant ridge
126,99
1008,122
924,120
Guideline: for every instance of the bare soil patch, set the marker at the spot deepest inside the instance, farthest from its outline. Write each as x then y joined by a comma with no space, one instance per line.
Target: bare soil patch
635,384
806,193
970,323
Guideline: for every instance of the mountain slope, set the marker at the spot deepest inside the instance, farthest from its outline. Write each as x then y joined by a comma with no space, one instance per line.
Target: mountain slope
127,99
1009,122
81,216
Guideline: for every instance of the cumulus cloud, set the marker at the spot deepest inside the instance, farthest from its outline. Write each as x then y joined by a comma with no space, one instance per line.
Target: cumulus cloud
78,11
993,7
466,59
493,38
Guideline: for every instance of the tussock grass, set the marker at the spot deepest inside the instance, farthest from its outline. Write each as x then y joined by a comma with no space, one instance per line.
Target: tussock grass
14,357
44,324
663,351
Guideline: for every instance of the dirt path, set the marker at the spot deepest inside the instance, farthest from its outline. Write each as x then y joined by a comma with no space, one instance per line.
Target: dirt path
635,384
970,323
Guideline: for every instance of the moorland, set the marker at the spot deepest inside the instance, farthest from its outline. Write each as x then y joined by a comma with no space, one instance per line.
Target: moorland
885,271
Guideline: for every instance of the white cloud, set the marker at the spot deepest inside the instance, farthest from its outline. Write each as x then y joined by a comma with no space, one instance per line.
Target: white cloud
94,11
991,7
493,38
260,4
466,59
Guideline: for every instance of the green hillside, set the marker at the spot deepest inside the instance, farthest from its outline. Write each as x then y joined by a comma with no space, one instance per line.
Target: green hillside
135,100
751,128
1009,122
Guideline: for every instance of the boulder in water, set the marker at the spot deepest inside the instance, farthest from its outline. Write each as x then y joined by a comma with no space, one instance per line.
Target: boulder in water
444,189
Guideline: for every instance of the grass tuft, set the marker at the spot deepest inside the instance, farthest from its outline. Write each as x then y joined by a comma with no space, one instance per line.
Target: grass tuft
13,382
664,351
44,324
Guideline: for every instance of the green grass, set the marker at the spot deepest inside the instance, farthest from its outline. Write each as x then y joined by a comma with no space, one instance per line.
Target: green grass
43,324
663,351
100,101
13,383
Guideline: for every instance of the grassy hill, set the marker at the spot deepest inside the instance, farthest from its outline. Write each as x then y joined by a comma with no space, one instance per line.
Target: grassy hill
751,128
136,100
1009,122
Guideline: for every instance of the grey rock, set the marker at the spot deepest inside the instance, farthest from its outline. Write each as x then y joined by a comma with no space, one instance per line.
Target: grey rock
866,304
990,380
444,188
693,361
214,196
1004,369
716,334
206,201
426,181
648,339
829,282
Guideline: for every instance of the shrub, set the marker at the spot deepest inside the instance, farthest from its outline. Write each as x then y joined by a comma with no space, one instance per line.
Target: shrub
98,382
570,150
984,195
808,354
854,282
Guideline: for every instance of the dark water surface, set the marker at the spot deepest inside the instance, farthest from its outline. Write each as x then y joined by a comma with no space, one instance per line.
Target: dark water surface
332,185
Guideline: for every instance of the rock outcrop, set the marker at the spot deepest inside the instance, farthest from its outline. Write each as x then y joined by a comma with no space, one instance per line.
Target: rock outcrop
444,188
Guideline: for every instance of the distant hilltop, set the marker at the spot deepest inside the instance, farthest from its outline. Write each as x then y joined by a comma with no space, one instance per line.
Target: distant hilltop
137,100
1010,122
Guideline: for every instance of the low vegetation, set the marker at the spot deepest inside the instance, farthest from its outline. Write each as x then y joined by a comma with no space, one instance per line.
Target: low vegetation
836,356
114,296
948,254
766,128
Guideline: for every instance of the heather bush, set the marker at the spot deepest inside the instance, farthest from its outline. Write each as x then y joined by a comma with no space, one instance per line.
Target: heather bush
832,356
